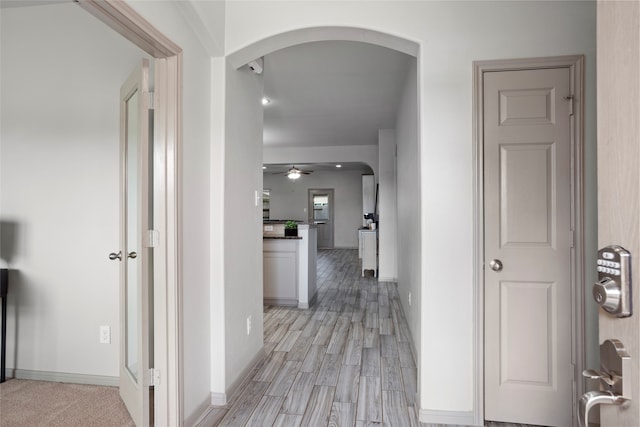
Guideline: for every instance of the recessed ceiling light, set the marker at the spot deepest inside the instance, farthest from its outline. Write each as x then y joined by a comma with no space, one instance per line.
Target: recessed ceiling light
264,167
265,101
338,166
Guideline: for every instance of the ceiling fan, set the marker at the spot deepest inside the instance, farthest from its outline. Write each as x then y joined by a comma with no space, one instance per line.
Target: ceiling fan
295,173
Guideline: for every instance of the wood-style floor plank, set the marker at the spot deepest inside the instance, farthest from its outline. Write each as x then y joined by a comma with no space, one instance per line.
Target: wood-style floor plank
342,414
330,369
319,408
369,400
299,394
394,407
288,420
348,382
266,412
392,374
242,409
282,382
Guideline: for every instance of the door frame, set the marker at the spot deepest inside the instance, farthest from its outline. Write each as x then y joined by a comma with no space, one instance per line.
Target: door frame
330,193
167,237
575,63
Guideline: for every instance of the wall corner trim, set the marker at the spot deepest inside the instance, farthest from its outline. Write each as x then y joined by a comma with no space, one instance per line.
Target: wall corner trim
218,399
462,418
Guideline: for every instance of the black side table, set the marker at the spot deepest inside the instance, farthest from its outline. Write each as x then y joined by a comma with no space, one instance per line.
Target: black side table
4,288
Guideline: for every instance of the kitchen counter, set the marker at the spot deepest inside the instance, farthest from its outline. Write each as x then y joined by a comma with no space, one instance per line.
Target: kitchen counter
289,267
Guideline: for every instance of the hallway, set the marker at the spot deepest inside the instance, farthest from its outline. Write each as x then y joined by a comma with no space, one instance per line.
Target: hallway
345,362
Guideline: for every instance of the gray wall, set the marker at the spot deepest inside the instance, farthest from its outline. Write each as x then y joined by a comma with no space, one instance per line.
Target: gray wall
289,200
409,209
388,205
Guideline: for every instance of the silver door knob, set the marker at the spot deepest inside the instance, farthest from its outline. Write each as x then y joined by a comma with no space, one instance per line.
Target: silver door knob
115,256
132,255
495,264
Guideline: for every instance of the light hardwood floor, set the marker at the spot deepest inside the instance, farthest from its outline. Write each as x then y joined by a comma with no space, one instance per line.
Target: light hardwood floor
346,361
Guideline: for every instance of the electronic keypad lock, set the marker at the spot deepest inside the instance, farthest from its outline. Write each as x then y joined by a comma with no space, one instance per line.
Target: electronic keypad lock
612,291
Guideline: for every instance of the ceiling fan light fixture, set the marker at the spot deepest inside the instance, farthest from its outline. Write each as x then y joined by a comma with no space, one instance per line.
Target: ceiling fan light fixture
293,175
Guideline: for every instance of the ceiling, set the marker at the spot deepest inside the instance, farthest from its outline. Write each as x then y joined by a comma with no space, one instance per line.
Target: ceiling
331,93
25,3
318,167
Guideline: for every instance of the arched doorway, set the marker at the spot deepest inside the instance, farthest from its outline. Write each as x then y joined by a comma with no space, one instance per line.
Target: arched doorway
243,158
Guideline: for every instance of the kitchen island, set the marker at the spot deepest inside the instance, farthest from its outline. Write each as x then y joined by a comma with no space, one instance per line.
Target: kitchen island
289,266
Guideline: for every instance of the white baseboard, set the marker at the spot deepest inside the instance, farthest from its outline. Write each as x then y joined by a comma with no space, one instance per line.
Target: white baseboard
458,418
218,399
62,377
388,279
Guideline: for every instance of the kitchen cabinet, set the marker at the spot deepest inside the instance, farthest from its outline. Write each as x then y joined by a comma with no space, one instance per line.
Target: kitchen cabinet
369,250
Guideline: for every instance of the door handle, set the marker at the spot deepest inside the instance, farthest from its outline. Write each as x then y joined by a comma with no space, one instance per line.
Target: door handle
115,256
132,255
495,264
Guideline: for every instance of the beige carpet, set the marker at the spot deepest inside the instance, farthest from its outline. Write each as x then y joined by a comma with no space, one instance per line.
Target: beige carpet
38,403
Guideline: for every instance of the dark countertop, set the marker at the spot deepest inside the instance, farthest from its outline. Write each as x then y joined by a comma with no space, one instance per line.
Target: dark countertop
283,237
281,221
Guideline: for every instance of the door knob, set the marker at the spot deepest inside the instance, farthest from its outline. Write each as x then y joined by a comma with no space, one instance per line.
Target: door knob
115,256
495,264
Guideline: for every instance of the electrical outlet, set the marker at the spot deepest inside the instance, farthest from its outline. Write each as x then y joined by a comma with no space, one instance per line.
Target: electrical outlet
409,299
249,325
105,335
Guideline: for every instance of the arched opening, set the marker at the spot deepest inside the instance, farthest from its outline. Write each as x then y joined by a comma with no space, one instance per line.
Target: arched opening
395,161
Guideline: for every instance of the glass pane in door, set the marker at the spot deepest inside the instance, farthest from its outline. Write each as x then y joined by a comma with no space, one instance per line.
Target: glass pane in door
321,208
132,237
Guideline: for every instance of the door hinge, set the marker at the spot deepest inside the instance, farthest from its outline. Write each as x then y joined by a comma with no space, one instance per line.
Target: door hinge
153,377
149,100
571,100
573,239
152,239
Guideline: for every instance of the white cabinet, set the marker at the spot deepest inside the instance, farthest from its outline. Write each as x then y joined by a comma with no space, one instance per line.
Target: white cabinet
280,269
369,250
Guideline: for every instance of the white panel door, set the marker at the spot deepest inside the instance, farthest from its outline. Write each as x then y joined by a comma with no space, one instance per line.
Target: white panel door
527,178
619,177
134,256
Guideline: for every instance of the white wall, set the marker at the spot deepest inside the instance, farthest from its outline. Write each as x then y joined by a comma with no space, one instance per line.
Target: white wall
61,77
289,200
242,222
451,36
387,203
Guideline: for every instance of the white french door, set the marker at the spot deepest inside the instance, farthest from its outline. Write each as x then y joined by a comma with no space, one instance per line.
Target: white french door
135,255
